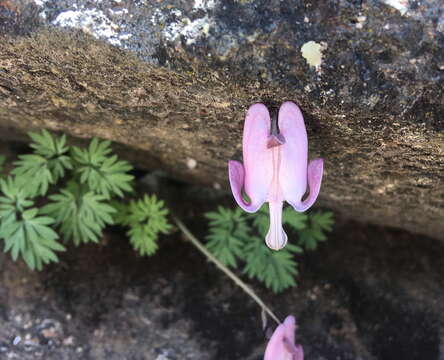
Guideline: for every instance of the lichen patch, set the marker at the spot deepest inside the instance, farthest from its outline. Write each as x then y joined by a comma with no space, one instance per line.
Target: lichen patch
312,53
401,5
191,30
204,4
94,22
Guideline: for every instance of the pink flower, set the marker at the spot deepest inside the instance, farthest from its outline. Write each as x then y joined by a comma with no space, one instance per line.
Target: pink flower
275,167
281,345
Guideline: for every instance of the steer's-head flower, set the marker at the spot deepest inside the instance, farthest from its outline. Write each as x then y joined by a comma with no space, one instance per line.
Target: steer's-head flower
275,167
282,344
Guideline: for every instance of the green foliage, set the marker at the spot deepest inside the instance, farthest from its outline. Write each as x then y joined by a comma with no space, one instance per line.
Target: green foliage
146,218
37,171
318,224
102,172
276,269
236,236
228,231
80,210
261,220
79,213
24,231
295,220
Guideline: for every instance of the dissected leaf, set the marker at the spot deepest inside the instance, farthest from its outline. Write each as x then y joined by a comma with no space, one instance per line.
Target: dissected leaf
34,174
12,196
24,231
46,166
277,269
228,232
318,224
143,239
296,220
146,219
102,172
232,238
261,220
121,216
80,214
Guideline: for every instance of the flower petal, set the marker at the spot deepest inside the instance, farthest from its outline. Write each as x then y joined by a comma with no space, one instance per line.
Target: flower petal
236,175
293,169
315,170
276,237
289,341
281,345
275,348
299,354
257,157
290,327
275,140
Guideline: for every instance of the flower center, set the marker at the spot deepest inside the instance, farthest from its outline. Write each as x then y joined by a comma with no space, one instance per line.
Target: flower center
275,193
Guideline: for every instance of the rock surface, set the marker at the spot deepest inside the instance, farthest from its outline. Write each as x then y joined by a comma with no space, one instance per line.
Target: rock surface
172,80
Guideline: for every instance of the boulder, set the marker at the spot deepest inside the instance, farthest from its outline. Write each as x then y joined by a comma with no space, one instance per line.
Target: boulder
171,80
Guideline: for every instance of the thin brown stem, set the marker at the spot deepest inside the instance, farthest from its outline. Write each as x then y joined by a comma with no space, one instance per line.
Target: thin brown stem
222,267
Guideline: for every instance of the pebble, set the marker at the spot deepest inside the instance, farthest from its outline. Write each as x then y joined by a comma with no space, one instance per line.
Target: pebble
68,341
191,163
16,340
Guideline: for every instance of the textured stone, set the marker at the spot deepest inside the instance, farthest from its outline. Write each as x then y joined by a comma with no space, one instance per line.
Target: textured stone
172,79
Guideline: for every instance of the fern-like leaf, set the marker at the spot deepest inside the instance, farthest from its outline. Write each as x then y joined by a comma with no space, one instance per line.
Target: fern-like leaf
261,220
277,269
143,239
318,223
102,172
80,214
236,236
146,219
228,232
297,221
121,216
13,197
46,166
24,231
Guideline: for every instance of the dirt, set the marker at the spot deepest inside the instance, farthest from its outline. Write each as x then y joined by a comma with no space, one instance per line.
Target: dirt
367,293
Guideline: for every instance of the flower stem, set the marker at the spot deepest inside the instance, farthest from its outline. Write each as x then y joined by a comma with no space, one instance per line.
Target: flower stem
222,267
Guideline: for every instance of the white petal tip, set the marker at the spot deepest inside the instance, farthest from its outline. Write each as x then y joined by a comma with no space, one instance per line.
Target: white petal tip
276,240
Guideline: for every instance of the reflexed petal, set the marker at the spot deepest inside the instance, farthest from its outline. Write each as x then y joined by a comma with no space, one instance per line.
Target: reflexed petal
276,237
236,175
315,170
257,157
293,169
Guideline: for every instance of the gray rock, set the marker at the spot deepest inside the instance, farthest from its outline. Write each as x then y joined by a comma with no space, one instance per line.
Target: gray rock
172,80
